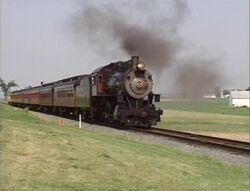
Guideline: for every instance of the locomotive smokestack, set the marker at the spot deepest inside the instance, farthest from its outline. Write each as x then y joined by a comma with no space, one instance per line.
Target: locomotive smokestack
135,61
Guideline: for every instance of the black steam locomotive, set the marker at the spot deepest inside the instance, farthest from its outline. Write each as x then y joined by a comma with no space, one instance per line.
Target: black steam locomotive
119,93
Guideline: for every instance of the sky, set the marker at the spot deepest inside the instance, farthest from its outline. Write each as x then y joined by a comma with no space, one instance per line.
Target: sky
37,43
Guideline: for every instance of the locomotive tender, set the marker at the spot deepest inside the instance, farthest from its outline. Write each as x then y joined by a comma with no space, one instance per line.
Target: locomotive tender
119,93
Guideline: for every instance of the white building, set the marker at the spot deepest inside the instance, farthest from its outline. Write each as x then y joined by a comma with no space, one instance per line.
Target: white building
240,98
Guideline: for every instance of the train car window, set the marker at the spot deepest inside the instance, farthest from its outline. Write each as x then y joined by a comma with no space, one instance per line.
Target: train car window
93,80
44,95
61,94
69,93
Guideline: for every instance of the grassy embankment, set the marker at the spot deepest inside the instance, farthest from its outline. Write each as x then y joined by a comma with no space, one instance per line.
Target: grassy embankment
40,155
207,116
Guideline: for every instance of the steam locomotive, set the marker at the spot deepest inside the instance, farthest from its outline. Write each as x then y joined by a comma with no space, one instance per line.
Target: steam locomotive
119,93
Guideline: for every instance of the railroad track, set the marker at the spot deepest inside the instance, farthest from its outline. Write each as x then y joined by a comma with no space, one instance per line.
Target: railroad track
226,144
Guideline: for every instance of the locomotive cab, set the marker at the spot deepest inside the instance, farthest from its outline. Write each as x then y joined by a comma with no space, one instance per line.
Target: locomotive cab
97,82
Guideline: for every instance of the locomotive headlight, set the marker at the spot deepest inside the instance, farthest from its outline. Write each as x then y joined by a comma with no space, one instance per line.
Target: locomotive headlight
141,66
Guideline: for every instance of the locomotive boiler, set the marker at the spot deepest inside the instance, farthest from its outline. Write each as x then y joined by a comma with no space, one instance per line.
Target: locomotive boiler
119,94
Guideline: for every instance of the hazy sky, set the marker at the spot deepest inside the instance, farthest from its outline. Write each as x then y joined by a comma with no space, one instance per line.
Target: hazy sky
37,43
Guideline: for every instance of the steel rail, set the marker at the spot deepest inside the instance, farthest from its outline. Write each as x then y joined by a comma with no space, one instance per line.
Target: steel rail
226,144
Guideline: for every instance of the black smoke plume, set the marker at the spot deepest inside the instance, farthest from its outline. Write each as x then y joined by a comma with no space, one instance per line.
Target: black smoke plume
154,39
143,28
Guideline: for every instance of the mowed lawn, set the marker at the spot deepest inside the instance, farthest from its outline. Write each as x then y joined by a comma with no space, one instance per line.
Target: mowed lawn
219,106
40,155
206,116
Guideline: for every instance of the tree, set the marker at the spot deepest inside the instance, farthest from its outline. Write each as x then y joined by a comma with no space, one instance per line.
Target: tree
7,86
248,89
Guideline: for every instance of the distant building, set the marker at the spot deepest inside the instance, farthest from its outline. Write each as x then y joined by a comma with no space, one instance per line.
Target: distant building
240,98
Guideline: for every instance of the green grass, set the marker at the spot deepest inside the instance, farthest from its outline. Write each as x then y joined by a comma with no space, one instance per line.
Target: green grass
207,116
204,122
220,106
39,155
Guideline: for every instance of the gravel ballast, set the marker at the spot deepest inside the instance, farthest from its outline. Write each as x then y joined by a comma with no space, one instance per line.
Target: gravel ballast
226,156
